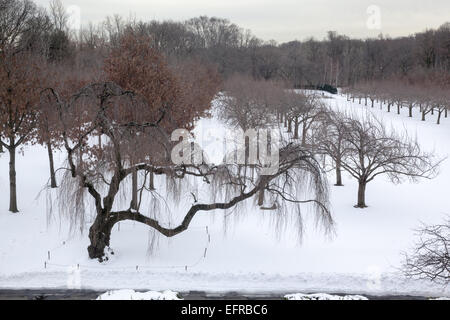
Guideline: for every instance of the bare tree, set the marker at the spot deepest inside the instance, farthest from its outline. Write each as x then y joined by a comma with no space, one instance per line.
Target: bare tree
20,22
250,105
59,15
441,101
246,104
372,151
295,108
330,140
430,257
304,109
65,80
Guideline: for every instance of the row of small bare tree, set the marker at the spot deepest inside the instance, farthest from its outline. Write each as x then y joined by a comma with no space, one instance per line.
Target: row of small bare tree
428,94
361,146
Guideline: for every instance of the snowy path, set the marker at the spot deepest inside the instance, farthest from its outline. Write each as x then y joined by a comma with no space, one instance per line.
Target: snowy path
223,282
65,294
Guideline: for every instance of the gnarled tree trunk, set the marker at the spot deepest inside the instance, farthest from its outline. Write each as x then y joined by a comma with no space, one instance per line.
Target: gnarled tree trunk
100,235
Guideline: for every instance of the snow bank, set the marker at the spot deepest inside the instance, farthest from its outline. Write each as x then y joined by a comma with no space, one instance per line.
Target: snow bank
128,294
322,296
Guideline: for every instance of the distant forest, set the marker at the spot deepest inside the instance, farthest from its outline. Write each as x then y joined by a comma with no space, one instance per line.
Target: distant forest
337,59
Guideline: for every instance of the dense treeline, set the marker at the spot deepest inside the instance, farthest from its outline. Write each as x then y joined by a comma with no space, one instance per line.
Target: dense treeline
336,59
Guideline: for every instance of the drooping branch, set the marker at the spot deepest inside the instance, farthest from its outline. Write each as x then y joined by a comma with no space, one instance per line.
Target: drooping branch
170,232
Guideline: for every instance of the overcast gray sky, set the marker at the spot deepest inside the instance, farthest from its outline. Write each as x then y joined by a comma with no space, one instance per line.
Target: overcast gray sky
284,20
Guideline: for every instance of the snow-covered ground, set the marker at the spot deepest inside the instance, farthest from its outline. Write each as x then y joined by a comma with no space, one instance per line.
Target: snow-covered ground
362,257
322,296
129,294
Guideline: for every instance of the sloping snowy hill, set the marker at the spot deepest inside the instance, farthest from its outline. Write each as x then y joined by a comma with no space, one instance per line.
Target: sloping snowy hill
362,257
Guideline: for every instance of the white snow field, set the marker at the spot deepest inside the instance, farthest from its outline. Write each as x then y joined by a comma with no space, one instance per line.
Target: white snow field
363,256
